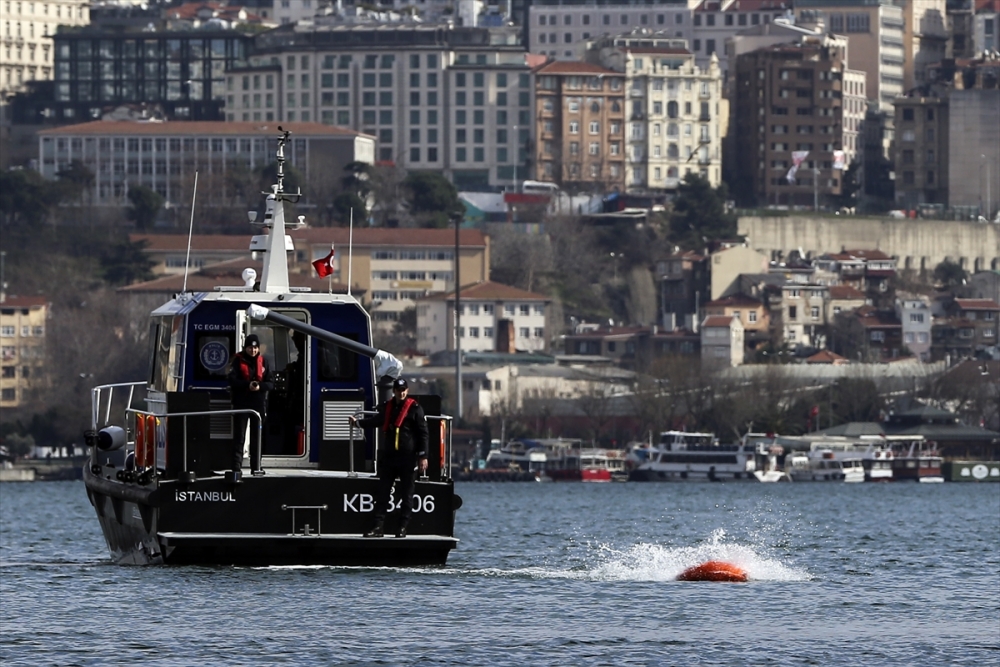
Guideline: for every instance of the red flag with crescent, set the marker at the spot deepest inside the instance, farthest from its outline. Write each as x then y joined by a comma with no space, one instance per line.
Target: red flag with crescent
324,265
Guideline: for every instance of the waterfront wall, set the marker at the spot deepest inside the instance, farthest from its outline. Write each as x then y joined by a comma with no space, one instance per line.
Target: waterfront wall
918,244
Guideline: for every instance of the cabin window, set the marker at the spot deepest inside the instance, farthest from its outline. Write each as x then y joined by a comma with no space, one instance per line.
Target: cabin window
167,339
337,364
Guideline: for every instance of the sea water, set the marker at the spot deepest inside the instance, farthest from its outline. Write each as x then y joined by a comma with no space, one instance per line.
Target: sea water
545,574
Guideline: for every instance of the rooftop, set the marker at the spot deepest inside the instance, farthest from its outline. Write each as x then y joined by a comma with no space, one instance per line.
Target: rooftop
846,292
227,274
489,291
197,127
977,304
569,67
23,301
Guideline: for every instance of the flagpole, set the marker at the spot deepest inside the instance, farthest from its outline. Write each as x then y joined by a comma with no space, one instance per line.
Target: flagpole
350,252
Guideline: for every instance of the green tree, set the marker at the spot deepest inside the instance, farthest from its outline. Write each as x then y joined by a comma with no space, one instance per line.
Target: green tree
126,263
358,178
849,186
700,214
344,203
949,274
433,198
146,205
25,198
75,181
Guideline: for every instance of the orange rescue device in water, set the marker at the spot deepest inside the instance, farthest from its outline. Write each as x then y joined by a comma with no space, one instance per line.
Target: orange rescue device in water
713,570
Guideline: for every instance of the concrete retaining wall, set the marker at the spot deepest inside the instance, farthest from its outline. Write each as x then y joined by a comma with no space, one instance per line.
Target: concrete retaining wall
917,244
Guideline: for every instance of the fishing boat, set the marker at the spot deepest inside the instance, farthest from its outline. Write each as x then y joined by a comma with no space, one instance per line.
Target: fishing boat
683,456
159,474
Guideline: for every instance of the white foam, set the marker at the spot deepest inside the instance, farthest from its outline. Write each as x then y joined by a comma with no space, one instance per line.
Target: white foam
655,562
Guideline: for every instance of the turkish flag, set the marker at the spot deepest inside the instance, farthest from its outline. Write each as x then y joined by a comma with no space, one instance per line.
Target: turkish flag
324,265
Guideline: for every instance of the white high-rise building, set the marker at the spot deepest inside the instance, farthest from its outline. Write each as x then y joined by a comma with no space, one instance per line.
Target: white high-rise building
436,97
675,114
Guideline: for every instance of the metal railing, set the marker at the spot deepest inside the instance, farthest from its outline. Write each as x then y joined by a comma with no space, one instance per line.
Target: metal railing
445,459
97,394
200,413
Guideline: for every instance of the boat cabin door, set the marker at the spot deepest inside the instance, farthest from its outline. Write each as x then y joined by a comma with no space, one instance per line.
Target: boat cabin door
285,438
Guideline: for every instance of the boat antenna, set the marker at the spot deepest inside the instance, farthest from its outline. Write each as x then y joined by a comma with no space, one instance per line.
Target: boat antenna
350,252
282,140
187,259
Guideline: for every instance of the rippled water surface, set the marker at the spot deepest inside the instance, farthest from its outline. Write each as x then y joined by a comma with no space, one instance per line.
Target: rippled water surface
546,574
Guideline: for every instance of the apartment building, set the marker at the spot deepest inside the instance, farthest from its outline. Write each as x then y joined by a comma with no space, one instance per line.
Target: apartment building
683,278
925,38
456,100
22,347
752,313
676,116
26,34
580,126
494,317
721,342
914,314
97,68
921,151
559,28
959,21
802,314
716,21
974,147
796,119
985,26
875,35
968,326
165,155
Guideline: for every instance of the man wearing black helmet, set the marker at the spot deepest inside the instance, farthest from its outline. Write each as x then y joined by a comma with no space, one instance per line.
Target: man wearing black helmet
404,447
249,382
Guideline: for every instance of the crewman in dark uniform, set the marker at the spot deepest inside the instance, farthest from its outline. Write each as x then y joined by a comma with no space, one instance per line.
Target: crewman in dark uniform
404,447
249,381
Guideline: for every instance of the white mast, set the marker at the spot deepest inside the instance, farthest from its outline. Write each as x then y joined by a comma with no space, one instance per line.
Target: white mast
276,244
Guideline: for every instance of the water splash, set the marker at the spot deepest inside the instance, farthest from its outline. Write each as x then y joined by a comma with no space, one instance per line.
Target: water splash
655,562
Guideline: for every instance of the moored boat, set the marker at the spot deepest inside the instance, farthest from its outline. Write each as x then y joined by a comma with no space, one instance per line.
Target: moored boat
683,456
915,460
162,447
824,465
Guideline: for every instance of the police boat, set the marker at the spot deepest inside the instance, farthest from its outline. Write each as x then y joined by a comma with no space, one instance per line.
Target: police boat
161,448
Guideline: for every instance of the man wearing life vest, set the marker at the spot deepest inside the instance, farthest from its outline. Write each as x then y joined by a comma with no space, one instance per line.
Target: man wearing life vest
249,381
404,447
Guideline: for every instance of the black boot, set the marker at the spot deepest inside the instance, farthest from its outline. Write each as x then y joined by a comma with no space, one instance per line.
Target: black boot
377,530
401,531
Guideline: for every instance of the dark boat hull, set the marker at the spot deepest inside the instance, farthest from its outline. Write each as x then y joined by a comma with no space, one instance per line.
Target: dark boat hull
284,519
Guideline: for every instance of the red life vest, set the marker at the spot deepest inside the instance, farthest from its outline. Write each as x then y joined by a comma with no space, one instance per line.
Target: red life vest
244,365
407,404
